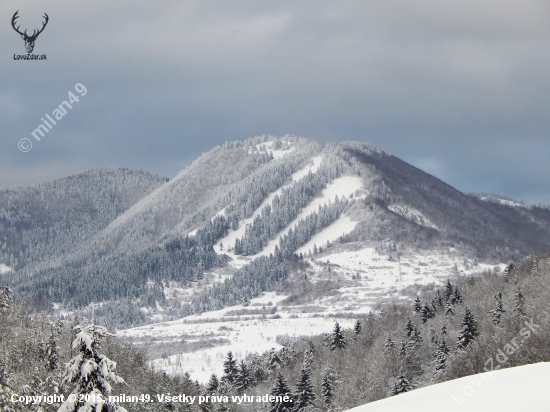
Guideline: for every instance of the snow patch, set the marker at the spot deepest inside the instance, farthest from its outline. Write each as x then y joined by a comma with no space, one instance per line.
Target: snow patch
342,225
4,269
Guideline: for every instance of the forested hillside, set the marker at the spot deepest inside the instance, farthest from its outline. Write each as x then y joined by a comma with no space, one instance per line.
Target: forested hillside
470,325
152,248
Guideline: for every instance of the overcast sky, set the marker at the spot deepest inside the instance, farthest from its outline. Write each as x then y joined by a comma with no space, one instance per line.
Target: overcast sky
460,89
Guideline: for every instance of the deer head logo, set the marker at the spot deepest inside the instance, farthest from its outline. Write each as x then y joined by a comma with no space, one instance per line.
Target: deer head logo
29,40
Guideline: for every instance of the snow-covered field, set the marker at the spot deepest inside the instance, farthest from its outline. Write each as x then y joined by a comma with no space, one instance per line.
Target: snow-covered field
363,279
245,334
523,388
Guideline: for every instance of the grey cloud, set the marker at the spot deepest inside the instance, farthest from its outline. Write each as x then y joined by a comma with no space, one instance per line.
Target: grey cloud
430,81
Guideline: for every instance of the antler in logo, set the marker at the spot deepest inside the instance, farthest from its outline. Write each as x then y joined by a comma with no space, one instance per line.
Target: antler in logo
29,40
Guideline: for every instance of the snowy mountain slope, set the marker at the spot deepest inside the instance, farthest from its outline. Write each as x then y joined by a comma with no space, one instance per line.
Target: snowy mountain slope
50,219
523,388
403,225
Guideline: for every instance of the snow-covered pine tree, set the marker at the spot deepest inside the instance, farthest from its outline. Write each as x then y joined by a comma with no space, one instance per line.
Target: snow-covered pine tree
281,390
305,394
401,385
449,310
338,341
519,303
456,297
309,355
409,327
448,290
229,368
243,377
441,355
328,383
7,393
6,299
389,344
274,360
417,307
357,328
469,332
52,352
91,372
213,384
509,271
497,312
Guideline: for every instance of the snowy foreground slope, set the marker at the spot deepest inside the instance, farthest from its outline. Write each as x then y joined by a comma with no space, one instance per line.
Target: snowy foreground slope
523,388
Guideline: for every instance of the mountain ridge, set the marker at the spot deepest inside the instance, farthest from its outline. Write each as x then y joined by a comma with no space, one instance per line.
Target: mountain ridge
262,190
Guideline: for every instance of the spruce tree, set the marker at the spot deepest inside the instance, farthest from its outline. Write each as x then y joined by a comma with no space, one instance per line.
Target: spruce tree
91,372
441,355
243,377
328,383
448,290
409,327
357,327
305,394
6,299
52,352
469,332
519,303
449,310
499,309
229,368
509,271
401,385
338,340
417,307
213,384
456,297
309,356
281,390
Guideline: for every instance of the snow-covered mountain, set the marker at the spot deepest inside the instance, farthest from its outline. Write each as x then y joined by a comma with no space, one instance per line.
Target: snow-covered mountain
265,214
522,388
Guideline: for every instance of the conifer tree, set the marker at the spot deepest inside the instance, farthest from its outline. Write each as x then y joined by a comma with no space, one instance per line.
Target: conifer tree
229,368
401,385
338,340
52,352
6,299
456,297
274,360
243,377
91,372
448,290
417,307
509,271
499,309
469,332
328,383
441,355
309,356
305,394
389,345
409,327
519,303
281,390
213,384
449,310
357,328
